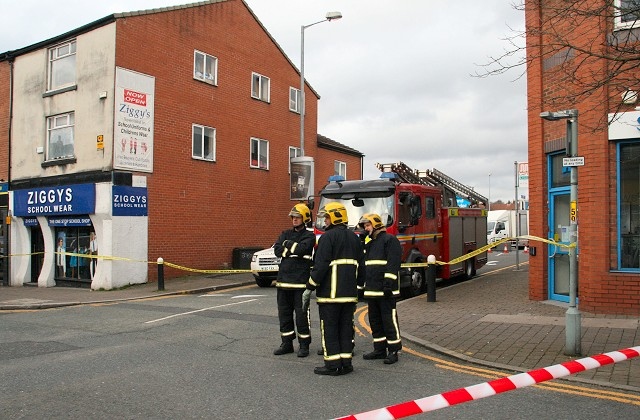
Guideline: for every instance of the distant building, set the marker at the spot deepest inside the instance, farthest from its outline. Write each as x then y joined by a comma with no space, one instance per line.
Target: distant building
608,205
166,132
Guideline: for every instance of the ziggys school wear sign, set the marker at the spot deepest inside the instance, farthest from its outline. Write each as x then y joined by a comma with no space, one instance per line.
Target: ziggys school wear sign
55,201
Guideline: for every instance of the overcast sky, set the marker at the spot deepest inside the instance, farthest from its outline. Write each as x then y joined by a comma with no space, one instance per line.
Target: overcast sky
394,76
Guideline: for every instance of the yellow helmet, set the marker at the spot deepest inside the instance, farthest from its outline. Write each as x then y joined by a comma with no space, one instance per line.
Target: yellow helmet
374,219
336,212
300,210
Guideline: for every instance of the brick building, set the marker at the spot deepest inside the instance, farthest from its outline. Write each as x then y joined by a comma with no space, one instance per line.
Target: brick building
166,133
566,46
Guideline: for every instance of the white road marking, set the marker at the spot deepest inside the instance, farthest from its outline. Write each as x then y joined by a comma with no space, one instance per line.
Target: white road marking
491,263
199,310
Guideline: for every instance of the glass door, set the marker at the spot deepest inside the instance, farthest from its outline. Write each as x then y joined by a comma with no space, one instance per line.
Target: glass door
559,256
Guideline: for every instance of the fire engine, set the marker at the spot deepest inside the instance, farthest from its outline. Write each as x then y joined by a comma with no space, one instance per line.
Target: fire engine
421,208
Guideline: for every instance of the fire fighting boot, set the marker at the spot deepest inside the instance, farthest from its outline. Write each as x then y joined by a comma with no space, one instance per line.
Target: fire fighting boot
346,368
285,347
303,351
323,370
376,354
391,358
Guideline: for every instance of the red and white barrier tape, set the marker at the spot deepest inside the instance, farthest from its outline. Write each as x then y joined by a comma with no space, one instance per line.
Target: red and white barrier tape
494,387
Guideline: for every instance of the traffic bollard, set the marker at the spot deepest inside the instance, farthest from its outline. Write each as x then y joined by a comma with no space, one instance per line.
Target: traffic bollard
160,274
431,278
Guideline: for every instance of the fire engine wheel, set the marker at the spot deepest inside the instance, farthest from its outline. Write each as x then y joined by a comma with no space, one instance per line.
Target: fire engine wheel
470,268
418,283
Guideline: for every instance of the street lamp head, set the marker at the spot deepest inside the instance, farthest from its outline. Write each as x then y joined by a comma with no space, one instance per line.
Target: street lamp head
333,16
559,115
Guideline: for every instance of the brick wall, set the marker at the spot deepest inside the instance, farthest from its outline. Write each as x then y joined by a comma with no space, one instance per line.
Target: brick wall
601,289
200,211
4,119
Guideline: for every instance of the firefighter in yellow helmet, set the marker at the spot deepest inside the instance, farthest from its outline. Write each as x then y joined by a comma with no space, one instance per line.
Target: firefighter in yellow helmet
295,248
383,255
337,272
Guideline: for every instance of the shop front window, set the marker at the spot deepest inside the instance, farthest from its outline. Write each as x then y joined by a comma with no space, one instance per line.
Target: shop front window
72,243
629,206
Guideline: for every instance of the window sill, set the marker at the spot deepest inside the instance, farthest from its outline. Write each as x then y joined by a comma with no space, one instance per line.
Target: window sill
61,90
59,162
203,159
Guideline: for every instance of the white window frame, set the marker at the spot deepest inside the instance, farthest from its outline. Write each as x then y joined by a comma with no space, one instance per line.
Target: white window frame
293,152
260,87
340,168
618,23
207,61
211,157
295,100
61,58
260,145
57,124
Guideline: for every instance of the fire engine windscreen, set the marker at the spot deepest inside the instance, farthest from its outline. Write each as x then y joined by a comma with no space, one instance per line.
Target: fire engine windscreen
359,206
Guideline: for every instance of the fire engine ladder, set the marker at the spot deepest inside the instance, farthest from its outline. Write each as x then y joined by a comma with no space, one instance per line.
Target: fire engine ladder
434,174
403,172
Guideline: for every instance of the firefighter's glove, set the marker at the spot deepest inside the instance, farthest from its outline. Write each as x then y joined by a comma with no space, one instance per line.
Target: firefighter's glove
306,300
387,288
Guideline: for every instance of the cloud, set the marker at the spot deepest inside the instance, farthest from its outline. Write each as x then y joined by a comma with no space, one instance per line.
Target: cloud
394,77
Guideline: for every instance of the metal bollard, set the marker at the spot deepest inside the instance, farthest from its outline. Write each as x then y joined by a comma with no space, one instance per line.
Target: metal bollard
160,274
431,278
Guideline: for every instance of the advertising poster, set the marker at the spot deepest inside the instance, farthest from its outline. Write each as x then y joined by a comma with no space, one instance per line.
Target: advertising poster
301,184
133,122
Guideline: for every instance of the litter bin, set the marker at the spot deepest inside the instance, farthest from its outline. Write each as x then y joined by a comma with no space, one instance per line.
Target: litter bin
242,257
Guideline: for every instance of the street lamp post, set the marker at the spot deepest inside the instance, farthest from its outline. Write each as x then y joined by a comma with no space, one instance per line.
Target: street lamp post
489,200
328,18
572,319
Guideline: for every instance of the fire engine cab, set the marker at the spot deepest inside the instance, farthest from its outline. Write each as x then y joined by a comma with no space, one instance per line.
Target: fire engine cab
421,209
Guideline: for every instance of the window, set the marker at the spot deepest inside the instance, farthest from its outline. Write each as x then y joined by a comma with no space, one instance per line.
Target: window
629,206
430,208
204,142
260,87
295,101
340,168
60,136
205,67
627,13
293,152
259,154
62,65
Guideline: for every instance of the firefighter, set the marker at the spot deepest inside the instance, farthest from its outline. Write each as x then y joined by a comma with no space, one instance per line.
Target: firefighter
337,272
295,248
383,254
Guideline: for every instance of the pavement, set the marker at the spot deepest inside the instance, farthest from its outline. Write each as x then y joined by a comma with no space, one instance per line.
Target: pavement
488,320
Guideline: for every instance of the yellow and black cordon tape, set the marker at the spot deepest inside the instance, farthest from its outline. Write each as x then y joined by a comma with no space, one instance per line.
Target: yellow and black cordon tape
405,265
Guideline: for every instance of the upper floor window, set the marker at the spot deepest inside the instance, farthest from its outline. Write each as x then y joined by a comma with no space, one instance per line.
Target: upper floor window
340,168
259,154
260,87
205,67
60,136
295,100
62,65
204,142
293,152
627,13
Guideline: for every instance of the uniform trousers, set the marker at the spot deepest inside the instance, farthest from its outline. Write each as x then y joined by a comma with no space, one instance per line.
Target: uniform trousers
336,324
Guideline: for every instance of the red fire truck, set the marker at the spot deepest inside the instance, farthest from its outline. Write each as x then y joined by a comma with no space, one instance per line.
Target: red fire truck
421,209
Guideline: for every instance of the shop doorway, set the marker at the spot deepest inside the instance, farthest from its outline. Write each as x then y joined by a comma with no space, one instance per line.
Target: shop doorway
37,253
73,269
4,249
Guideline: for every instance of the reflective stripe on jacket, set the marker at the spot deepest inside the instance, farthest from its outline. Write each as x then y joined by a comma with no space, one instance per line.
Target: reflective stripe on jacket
338,266
295,264
383,255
